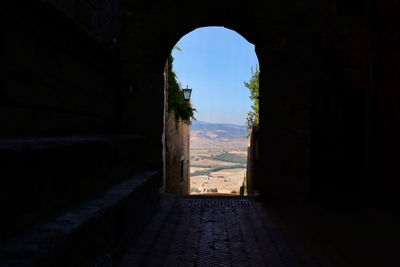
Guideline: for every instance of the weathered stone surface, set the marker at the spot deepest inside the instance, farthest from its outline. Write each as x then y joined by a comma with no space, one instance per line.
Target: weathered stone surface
80,235
55,70
329,117
45,175
177,156
212,231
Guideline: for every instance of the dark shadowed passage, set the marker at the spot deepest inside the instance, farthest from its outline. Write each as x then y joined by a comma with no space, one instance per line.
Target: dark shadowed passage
82,105
212,231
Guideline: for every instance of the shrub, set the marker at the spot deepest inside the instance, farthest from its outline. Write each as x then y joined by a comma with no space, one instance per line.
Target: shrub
183,109
195,190
253,86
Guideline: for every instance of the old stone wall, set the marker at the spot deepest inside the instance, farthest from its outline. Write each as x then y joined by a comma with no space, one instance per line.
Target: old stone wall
385,62
339,114
177,161
253,164
61,135
99,17
76,75
176,149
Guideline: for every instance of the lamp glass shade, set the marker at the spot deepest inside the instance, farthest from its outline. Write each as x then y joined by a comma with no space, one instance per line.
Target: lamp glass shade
186,93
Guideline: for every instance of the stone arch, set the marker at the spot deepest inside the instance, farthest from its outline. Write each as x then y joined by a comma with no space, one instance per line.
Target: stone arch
183,32
187,31
171,181
75,104
296,58
146,41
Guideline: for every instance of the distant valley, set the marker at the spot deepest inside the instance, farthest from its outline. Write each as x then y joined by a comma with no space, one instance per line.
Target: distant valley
218,158
217,135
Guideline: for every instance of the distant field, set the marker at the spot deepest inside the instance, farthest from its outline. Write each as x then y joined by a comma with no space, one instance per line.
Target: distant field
208,161
229,157
217,171
195,169
207,171
218,157
225,181
239,152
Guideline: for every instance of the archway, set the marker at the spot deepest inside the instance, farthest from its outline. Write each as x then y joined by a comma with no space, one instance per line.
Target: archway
62,80
296,55
216,62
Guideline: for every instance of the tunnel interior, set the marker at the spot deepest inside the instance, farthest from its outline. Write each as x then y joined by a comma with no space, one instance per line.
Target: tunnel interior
82,104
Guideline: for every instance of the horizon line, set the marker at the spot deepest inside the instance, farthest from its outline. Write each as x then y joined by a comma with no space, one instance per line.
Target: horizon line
219,122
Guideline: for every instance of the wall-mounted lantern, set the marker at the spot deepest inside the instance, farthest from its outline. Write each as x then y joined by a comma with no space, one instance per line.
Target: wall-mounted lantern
186,93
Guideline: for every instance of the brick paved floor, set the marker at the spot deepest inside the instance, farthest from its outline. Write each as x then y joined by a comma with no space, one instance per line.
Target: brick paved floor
211,231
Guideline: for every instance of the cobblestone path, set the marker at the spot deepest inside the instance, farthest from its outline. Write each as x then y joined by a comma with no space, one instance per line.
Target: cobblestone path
210,231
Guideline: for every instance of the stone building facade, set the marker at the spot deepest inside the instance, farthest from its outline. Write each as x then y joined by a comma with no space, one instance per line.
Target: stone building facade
176,139
253,168
177,160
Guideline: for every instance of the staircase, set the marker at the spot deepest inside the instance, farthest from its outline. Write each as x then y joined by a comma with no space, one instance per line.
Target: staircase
73,196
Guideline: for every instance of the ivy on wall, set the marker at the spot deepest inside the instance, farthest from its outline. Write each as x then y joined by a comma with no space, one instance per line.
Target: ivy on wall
183,109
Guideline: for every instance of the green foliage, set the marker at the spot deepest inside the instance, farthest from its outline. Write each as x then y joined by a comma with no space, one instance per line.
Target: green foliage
194,189
253,85
176,102
233,192
202,166
217,168
231,158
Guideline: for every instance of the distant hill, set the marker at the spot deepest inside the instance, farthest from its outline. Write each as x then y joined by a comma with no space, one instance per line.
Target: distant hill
217,135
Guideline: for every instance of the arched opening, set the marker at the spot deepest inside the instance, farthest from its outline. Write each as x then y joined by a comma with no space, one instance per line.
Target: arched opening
208,154
81,113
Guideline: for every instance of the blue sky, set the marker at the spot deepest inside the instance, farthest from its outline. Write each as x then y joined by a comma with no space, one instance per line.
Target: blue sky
214,62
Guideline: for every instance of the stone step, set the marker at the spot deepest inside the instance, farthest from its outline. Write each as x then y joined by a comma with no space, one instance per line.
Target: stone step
42,175
90,233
